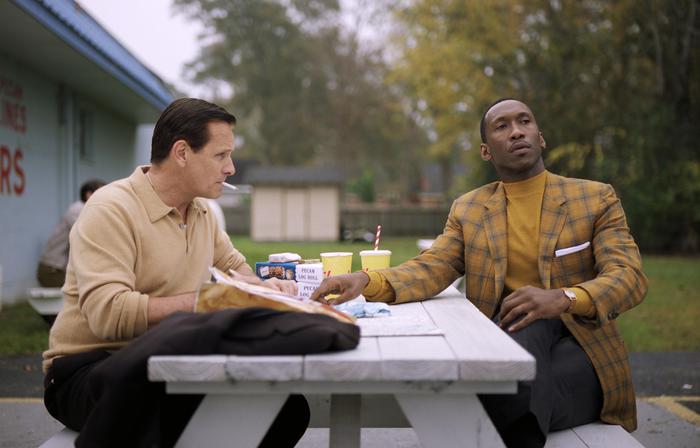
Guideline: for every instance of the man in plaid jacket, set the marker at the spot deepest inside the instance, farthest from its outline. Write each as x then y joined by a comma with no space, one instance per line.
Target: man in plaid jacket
552,261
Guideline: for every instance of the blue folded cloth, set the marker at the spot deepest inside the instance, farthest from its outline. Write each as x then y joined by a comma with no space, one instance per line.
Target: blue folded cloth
359,308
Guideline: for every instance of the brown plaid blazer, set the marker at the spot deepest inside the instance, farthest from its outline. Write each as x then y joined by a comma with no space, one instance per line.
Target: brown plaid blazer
574,211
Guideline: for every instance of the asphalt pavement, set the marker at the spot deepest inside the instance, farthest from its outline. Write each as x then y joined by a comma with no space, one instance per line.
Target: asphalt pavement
667,387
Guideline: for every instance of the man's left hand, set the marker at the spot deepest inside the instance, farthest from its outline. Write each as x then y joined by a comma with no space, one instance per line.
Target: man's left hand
245,273
285,286
531,303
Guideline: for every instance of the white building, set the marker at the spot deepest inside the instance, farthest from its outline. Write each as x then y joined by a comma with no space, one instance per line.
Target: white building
71,102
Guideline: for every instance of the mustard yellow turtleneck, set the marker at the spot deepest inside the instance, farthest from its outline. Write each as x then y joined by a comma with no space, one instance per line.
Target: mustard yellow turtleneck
523,206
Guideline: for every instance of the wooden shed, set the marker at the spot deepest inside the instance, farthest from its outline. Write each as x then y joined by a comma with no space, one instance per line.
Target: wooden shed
294,203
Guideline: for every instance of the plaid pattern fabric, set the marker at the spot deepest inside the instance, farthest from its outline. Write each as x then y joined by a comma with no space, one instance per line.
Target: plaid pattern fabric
574,211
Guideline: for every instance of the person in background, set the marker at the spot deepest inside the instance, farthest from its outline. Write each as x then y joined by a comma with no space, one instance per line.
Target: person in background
51,272
548,258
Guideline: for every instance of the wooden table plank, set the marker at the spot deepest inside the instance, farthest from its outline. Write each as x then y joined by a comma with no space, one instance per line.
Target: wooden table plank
265,368
361,364
417,358
483,350
600,435
564,439
416,387
190,368
409,319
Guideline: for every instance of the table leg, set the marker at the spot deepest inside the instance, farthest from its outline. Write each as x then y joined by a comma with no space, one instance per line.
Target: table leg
449,421
231,420
345,421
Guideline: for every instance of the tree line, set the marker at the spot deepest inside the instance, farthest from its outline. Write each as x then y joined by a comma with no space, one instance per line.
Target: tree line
614,85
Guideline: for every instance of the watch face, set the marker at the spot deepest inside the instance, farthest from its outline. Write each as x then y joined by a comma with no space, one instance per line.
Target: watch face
572,298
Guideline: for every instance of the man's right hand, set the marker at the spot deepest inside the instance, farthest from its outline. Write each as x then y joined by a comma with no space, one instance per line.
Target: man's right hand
347,286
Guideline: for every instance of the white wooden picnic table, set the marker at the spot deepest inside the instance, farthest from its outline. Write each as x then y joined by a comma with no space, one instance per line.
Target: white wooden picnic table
432,377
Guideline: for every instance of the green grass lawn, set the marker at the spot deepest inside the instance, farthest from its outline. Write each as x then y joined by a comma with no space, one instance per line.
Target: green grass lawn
401,249
665,321
22,330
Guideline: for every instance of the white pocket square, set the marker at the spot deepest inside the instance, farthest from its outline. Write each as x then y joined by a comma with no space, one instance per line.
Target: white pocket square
571,250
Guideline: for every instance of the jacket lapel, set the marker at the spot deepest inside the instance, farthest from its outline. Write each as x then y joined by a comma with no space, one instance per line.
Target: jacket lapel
552,222
496,228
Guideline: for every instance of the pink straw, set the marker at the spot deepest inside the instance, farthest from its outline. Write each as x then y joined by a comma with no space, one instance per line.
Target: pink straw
376,238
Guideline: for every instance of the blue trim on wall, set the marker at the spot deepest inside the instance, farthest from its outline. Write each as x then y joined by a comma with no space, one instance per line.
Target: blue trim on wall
78,29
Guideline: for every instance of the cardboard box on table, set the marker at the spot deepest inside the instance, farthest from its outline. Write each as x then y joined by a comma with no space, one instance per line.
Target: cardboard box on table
283,271
310,273
308,276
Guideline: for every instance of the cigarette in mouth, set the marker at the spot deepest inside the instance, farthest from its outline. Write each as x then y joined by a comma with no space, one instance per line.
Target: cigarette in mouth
229,186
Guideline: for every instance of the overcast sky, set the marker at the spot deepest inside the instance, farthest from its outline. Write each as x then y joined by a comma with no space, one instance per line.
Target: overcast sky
163,42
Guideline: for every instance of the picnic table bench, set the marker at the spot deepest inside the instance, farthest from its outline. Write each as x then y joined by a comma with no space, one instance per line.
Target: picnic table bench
593,435
427,378
46,301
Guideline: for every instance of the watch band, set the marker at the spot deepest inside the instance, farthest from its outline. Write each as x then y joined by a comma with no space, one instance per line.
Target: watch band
572,298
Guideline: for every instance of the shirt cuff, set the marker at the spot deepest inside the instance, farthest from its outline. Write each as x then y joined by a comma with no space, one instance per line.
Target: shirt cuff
378,289
584,304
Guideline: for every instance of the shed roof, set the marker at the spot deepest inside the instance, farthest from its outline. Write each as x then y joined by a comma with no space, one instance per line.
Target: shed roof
61,40
296,176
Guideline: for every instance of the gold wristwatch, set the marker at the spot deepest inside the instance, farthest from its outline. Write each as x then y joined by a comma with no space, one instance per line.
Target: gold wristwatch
572,298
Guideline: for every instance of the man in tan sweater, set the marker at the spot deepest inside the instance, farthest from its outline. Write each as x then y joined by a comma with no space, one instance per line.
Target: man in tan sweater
139,251
549,258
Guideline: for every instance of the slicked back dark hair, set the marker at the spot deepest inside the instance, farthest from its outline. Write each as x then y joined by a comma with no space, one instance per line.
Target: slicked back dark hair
185,119
90,187
482,125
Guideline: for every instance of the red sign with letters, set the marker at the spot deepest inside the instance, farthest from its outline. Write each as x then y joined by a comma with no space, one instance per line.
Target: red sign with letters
13,115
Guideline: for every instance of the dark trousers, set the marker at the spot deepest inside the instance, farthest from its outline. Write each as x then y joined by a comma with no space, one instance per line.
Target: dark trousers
50,277
109,399
72,399
565,392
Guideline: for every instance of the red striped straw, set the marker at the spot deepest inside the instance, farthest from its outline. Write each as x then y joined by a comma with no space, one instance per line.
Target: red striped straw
376,238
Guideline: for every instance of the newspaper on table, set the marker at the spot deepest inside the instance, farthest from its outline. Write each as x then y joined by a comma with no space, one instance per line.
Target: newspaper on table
396,323
228,292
